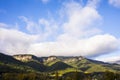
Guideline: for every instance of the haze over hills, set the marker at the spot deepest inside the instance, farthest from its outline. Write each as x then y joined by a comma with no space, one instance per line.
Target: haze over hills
53,63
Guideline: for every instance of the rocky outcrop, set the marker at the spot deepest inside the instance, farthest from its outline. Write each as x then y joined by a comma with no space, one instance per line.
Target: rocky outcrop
50,58
28,57
73,59
25,57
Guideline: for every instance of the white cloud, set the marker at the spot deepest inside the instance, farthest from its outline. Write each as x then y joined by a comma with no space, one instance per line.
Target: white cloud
109,59
115,3
9,26
3,25
80,20
50,28
93,3
15,42
96,45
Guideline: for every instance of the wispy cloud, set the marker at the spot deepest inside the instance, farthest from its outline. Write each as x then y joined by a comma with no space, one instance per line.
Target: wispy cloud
45,1
31,26
115,3
43,27
3,25
93,3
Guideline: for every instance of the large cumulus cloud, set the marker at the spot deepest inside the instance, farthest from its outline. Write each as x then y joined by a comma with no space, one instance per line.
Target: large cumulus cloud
93,46
15,42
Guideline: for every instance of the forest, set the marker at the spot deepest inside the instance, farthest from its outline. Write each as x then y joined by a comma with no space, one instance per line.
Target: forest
67,76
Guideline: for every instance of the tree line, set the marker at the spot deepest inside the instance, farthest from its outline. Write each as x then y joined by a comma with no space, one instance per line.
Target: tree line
67,76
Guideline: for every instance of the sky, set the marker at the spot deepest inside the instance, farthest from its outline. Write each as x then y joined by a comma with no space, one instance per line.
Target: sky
87,28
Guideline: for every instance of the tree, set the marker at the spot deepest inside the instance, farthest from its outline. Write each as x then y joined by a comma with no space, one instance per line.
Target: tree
109,75
56,76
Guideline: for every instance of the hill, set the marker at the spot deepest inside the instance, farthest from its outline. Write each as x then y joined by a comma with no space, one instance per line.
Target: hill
31,61
9,64
28,62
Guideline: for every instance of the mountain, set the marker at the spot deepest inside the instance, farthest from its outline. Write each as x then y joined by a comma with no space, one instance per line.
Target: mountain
28,62
118,62
51,63
89,66
9,64
31,61
8,59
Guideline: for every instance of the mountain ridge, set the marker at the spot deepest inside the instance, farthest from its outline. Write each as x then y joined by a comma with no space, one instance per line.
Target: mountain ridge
60,63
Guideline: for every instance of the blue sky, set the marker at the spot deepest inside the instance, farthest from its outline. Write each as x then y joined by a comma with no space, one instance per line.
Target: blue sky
61,27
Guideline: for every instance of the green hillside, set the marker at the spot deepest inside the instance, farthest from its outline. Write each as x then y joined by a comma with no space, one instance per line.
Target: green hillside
89,66
36,65
53,63
9,64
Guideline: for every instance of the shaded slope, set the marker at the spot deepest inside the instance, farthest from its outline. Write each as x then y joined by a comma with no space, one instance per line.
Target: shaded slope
58,66
9,59
36,65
